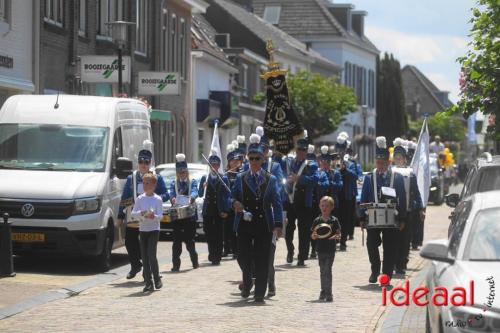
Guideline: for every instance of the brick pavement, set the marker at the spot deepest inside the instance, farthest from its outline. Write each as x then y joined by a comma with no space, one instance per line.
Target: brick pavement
207,300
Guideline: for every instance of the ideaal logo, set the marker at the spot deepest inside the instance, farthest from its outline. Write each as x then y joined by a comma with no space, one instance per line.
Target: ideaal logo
441,297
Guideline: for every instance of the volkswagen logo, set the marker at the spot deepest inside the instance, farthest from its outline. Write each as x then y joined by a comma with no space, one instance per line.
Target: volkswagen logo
27,210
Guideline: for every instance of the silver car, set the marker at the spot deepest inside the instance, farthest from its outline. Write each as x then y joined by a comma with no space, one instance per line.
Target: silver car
196,171
472,253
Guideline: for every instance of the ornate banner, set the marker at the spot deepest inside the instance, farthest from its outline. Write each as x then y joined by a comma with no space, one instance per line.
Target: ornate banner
280,122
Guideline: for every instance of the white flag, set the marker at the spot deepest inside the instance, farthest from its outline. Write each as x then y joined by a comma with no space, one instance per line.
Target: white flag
215,148
421,164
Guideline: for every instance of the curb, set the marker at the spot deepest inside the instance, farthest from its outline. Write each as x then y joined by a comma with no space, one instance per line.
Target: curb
394,317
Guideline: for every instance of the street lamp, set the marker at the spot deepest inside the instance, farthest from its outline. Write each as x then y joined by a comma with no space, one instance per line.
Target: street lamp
119,34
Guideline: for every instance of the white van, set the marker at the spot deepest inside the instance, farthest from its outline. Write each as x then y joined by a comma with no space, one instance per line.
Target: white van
63,164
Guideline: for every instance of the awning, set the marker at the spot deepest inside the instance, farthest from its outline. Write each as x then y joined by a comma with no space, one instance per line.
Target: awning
16,83
164,115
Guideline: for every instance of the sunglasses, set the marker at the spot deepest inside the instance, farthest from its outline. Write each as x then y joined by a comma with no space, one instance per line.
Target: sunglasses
145,162
255,158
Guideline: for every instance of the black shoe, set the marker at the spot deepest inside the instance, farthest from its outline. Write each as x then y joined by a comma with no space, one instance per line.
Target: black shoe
245,293
215,263
271,292
301,262
313,255
414,248
329,298
175,269
343,248
158,284
225,254
322,295
259,299
149,287
373,278
196,265
289,257
133,272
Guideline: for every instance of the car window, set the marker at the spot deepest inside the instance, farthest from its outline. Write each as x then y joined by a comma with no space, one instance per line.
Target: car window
489,179
468,179
483,243
458,229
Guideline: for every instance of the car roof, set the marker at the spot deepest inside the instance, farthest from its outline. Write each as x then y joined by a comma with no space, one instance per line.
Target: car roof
486,200
483,162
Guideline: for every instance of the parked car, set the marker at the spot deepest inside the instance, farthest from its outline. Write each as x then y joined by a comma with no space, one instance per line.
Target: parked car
437,189
196,171
63,163
483,176
472,253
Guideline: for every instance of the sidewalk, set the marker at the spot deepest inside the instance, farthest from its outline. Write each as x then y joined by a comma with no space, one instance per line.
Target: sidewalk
207,299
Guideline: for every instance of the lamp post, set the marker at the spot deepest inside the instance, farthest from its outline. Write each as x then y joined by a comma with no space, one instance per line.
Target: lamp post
119,34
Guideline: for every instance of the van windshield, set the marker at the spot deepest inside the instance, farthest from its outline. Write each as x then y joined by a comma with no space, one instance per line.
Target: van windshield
53,147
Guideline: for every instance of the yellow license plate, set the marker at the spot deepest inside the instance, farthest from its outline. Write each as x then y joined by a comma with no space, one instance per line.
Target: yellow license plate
27,237
165,219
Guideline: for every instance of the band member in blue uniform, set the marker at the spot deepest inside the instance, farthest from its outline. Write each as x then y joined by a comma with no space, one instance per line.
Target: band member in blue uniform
215,209
129,195
417,224
259,215
302,179
413,204
184,229
234,167
384,178
355,166
347,199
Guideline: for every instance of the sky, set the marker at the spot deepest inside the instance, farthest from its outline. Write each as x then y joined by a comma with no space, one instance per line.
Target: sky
429,34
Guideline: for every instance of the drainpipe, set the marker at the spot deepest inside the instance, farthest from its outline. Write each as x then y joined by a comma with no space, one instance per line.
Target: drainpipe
36,46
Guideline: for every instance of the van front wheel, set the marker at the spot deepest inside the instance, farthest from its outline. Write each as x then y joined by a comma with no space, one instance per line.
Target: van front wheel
104,259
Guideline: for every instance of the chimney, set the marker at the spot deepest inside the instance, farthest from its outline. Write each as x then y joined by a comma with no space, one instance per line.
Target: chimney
342,12
358,21
247,4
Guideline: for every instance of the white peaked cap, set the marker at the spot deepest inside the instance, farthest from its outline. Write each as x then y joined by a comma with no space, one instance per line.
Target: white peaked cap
398,142
324,150
180,157
341,139
381,142
305,134
254,138
344,134
240,139
235,143
259,131
230,148
310,149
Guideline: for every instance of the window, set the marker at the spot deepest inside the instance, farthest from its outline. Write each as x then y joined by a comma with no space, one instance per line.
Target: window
458,229
483,243
359,84
183,46
173,44
108,11
371,88
142,26
164,38
181,135
4,11
54,12
117,145
272,14
82,18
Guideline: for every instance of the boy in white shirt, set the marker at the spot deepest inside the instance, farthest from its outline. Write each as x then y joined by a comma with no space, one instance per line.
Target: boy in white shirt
148,209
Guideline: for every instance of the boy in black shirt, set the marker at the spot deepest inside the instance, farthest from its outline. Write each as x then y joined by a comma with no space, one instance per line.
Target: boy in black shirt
326,246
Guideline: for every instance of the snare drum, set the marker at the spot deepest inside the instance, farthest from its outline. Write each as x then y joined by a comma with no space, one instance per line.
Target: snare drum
382,215
182,212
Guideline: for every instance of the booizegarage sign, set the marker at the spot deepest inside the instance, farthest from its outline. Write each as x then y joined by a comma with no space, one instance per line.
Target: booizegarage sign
159,83
100,69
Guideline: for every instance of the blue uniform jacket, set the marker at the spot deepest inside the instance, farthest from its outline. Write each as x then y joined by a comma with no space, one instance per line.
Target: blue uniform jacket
309,178
128,192
277,172
330,183
272,202
183,189
356,167
367,195
349,178
416,203
223,196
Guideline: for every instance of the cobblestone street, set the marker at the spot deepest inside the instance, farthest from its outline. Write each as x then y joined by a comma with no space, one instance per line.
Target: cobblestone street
207,299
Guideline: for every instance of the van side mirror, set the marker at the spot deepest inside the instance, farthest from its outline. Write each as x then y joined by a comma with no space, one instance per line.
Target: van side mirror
452,200
123,168
436,250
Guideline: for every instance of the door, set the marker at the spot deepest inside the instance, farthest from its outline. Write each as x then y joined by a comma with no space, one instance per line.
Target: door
115,188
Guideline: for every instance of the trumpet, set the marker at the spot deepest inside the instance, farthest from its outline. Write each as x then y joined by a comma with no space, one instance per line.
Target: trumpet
323,230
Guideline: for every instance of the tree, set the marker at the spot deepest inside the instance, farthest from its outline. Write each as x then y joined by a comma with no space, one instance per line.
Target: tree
319,102
480,77
392,120
448,128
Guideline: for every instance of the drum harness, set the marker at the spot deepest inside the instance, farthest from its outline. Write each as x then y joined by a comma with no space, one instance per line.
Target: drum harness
299,173
375,191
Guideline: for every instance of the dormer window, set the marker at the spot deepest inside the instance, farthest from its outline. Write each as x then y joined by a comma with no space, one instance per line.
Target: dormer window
272,14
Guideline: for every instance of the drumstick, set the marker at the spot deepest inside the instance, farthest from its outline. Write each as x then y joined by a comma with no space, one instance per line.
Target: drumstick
217,173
